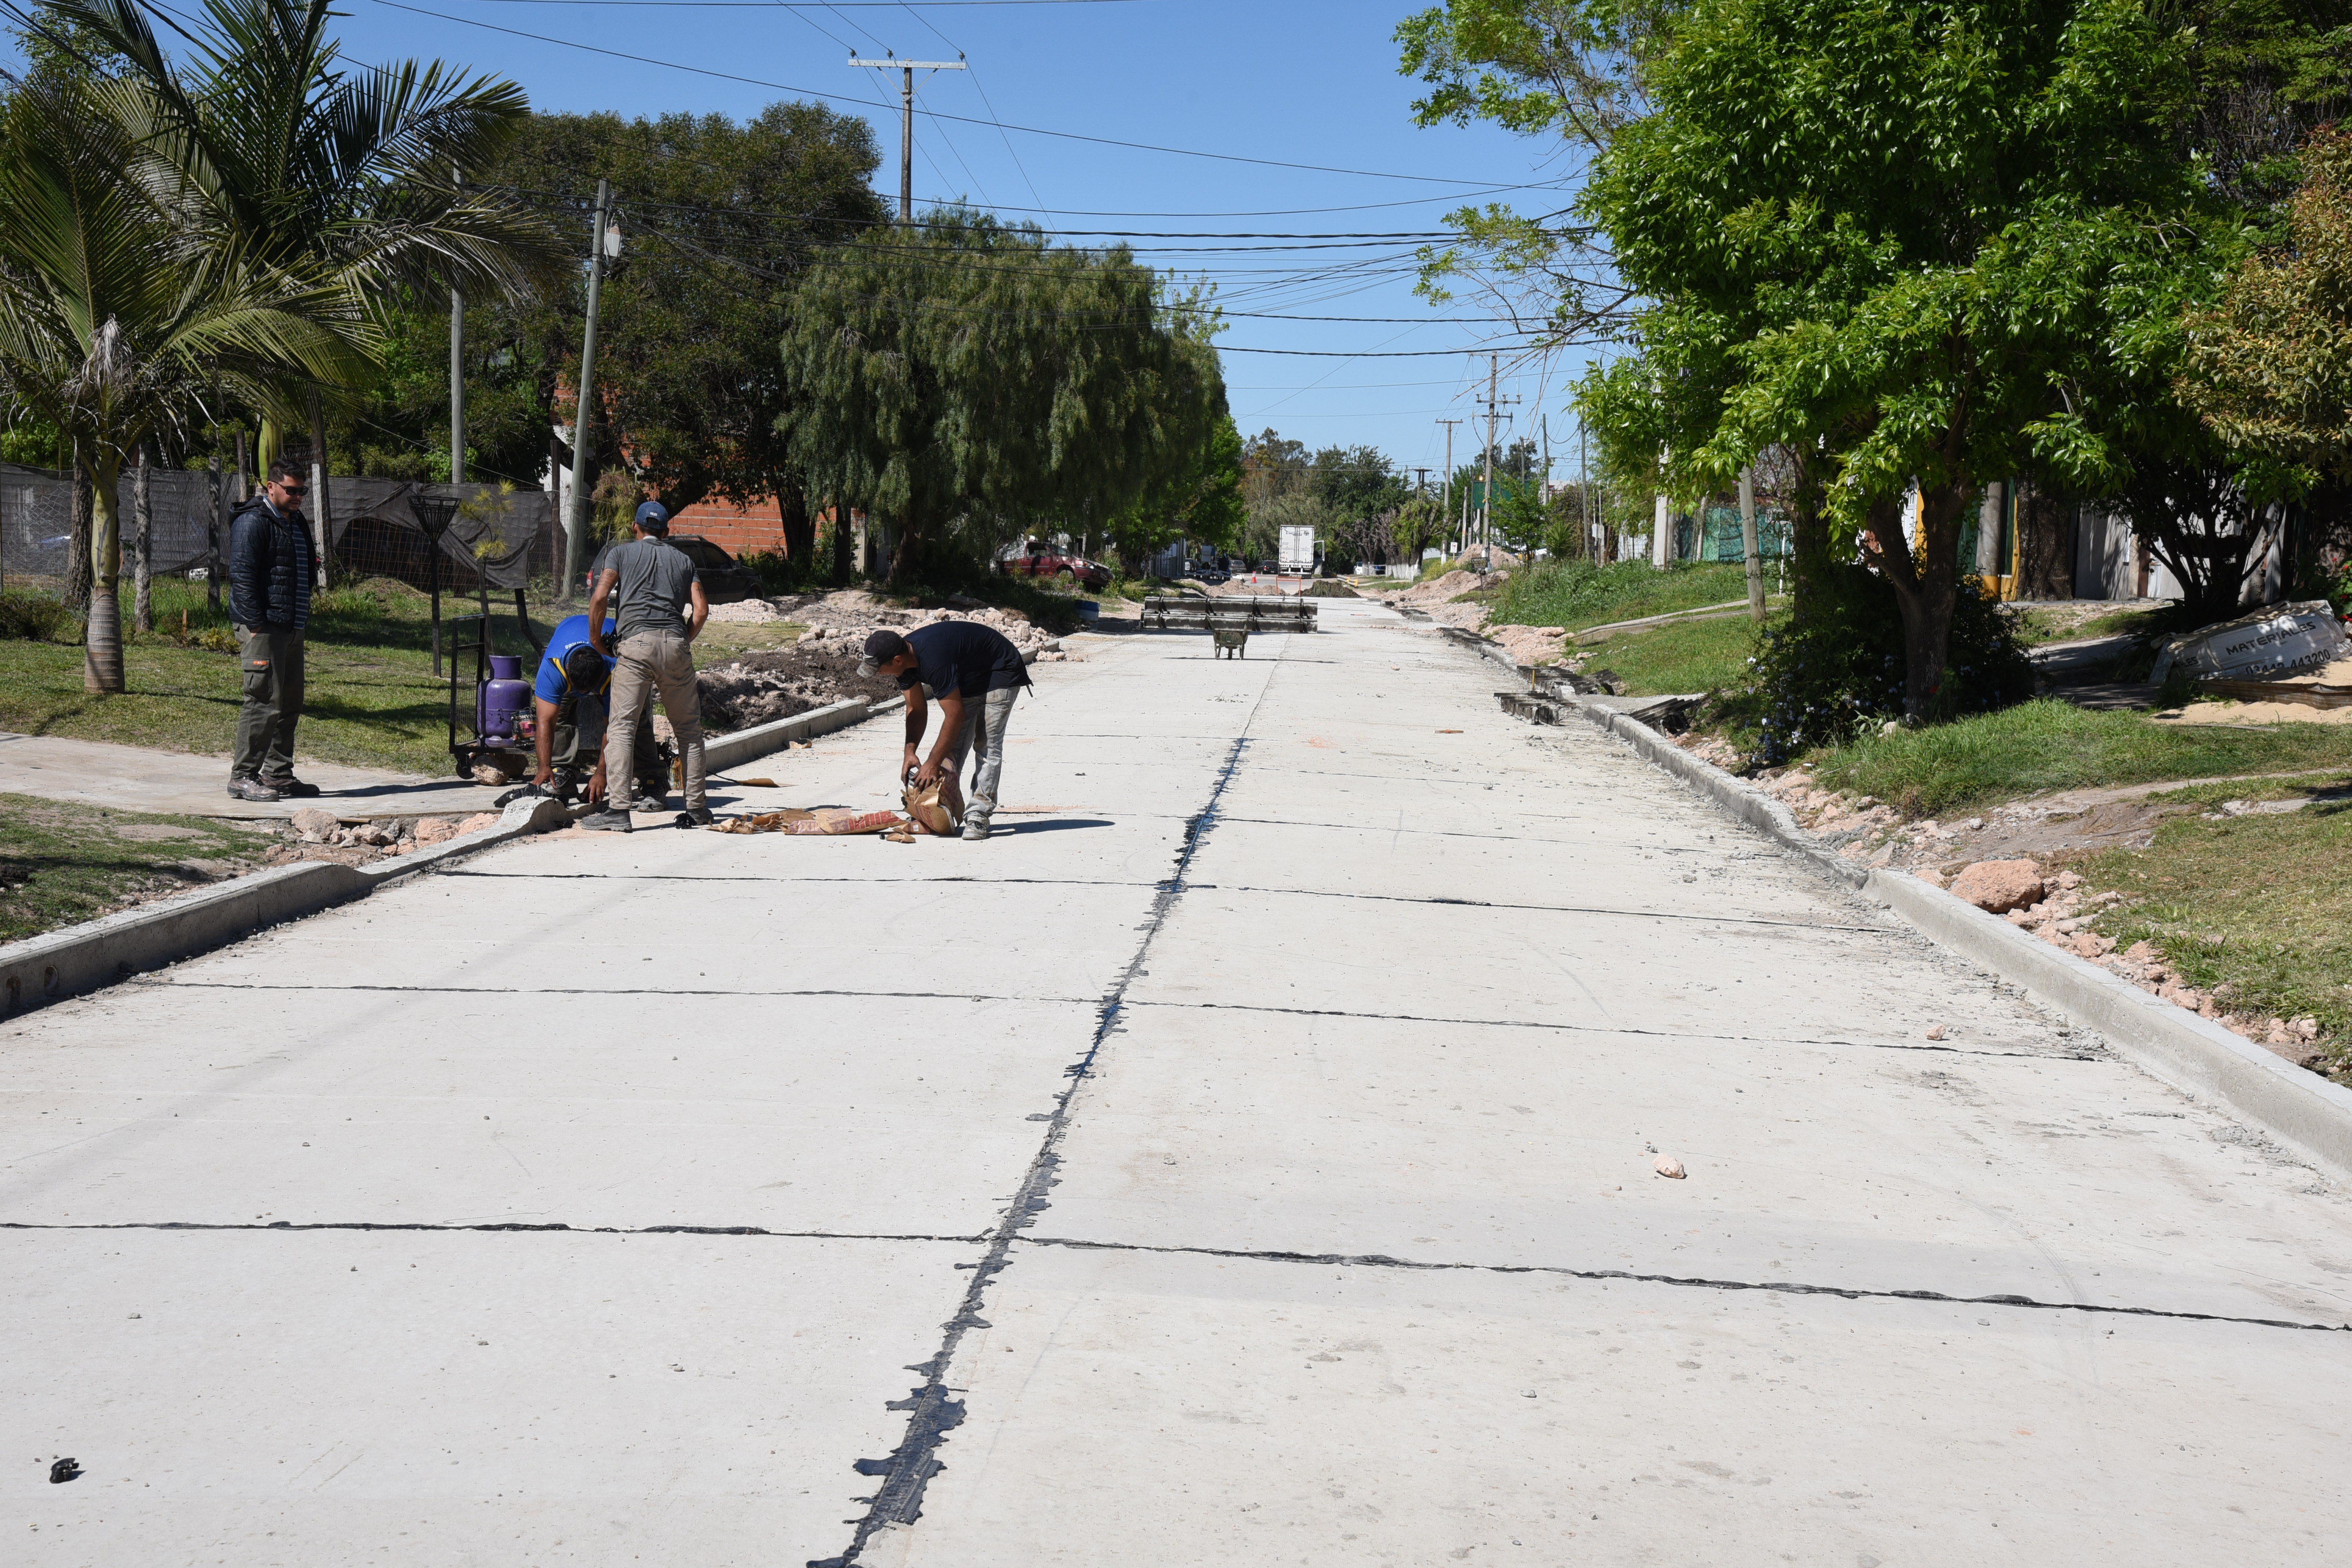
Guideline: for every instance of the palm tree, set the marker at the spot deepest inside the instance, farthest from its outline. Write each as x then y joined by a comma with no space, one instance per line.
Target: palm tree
265,146
113,305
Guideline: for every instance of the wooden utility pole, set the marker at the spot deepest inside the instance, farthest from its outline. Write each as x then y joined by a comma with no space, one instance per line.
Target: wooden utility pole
906,118
1748,541
457,375
1493,412
1445,485
575,521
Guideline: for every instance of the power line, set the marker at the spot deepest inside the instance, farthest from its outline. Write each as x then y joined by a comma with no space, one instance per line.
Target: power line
875,103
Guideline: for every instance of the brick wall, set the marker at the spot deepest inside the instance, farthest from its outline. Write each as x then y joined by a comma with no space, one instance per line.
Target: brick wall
738,529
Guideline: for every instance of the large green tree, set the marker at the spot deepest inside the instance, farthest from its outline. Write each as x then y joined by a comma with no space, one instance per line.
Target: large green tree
963,378
1926,244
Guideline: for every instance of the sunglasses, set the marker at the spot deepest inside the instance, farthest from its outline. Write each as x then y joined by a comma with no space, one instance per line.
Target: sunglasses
295,490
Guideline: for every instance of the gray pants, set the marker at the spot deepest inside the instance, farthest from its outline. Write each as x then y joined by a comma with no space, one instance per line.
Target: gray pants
982,733
272,662
647,663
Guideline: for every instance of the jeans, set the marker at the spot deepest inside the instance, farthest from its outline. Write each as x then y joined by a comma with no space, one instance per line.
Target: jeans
982,733
647,663
272,662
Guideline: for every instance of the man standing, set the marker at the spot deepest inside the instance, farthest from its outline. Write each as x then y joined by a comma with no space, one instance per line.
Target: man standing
975,673
269,577
651,584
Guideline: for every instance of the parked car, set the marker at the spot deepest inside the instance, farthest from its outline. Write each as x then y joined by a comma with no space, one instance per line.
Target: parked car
1076,568
724,579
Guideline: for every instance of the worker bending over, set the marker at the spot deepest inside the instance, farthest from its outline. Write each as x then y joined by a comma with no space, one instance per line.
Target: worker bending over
974,673
574,699
651,583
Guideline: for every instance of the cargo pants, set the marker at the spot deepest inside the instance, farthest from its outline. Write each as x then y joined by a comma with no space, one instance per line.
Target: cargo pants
646,664
271,659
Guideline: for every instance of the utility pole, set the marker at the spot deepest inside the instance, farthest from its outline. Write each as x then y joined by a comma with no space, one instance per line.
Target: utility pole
575,521
906,118
1493,411
457,373
1445,487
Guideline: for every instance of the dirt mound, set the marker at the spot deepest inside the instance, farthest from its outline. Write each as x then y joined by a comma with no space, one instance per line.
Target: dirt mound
1325,588
762,687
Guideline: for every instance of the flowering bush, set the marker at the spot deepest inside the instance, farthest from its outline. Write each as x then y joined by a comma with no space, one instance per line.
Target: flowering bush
1836,668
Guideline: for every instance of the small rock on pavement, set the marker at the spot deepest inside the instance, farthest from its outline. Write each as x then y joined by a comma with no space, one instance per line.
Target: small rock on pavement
316,827
431,830
1670,1166
1999,886
1935,1031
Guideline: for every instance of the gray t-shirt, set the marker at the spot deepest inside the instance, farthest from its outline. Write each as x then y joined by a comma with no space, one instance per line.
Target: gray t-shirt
651,596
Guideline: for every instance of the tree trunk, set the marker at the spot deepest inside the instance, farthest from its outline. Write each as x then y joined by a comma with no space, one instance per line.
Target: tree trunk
1924,582
798,526
142,546
321,530
907,559
103,637
77,543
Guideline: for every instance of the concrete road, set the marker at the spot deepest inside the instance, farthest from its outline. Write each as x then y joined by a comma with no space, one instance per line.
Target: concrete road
1250,1158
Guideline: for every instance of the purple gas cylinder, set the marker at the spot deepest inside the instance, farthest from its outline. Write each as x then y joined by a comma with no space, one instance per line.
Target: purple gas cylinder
503,708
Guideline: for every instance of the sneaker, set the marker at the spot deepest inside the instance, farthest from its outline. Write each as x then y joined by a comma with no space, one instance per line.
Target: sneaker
607,822
696,816
646,803
252,790
975,829
293,788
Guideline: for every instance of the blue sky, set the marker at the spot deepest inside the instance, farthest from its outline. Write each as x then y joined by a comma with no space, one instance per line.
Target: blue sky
1311,83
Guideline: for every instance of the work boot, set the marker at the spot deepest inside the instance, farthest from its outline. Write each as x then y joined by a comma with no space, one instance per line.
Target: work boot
975,828
293,788
252,790
647,801
696,816
608,822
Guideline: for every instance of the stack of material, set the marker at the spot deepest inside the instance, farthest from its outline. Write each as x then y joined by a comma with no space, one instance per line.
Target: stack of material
2295,654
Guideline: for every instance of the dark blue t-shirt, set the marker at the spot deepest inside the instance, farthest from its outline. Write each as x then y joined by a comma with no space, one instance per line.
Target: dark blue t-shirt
964,657
568,635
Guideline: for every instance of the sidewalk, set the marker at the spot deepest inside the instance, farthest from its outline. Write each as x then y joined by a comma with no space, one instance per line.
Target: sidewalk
1250,1157
133,778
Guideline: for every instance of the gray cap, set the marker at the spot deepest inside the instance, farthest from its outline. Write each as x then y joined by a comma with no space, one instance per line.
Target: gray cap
881,648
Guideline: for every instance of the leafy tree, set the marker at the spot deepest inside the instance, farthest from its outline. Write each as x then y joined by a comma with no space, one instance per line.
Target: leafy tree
118,301
1922,314
720,221
1356,483
1198,498
963,374
2270,366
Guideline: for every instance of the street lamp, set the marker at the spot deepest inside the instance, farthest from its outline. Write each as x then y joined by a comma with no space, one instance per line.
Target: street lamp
434,515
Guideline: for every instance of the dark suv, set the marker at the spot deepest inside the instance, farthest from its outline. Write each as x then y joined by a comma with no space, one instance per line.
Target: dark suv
724,579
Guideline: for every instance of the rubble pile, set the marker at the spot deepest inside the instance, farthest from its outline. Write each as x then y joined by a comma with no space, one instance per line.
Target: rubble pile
316,835
1529,645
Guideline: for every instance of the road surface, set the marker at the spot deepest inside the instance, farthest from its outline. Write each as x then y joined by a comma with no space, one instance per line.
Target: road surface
1250,1158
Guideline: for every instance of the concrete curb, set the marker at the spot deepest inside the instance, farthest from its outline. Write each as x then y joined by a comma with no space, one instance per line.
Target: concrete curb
724,751
2194,1055
1487,646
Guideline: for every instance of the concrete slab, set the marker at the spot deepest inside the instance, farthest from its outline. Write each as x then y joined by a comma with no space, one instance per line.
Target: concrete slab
1249,1156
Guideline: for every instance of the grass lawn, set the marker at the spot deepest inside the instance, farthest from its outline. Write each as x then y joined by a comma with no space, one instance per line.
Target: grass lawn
1578,593
2049,745
2259,903
61,863
2039,624
372,698
1696,655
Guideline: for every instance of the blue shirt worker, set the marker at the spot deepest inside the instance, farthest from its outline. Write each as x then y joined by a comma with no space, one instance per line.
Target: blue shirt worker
271,569
572,695
974,673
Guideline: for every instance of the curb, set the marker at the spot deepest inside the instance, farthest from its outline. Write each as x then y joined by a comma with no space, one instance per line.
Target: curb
2194,1055
97,954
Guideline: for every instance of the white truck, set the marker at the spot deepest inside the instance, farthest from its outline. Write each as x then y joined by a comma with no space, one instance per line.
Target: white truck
1297,550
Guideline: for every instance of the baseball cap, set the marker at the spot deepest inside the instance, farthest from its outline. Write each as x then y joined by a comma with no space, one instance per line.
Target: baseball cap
653,516
880,648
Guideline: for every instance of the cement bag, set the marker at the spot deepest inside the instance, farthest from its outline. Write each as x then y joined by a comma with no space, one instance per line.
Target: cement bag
936,806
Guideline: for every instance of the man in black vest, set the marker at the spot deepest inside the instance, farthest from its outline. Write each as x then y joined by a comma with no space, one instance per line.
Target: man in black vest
271,569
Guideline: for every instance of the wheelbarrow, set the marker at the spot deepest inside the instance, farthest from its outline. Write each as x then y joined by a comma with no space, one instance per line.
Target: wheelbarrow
1230,641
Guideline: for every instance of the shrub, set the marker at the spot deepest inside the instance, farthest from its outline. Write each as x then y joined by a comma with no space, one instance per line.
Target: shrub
1836,668
38,617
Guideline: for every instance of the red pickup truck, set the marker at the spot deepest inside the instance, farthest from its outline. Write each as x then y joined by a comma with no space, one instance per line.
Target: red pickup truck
1076,568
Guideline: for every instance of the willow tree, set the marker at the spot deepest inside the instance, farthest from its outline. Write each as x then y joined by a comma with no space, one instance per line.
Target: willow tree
116,305
962,372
